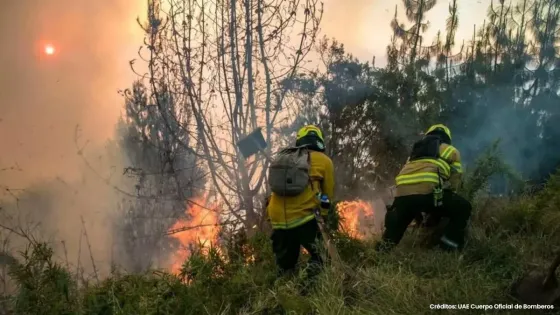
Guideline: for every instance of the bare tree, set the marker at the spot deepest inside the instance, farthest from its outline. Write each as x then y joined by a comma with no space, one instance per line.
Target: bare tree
226,63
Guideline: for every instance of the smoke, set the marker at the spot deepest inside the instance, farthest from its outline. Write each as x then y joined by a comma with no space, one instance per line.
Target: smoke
75,218
43,98
492,115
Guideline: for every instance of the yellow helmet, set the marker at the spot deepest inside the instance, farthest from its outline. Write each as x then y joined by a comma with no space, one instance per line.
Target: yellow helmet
310,129
441,127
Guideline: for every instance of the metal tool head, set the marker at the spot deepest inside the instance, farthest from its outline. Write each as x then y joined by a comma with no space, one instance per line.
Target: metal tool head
252,143
539,287
530,289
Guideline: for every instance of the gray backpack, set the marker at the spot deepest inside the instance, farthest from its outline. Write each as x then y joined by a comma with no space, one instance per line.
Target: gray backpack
288,173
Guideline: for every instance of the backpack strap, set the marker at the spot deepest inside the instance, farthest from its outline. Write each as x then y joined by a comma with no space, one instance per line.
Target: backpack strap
320,181
308,152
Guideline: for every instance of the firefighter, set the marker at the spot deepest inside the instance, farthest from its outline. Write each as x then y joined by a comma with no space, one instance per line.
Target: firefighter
428,182
291,217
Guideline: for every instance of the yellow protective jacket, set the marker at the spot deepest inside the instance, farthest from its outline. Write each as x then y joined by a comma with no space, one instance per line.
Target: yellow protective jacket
291,212
420,177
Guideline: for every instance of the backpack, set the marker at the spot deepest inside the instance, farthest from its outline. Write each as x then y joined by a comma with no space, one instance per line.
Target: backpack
288,174
427,148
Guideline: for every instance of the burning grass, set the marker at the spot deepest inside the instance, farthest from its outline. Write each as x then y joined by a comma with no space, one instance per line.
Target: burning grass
406,281
357,218
198,233
505,236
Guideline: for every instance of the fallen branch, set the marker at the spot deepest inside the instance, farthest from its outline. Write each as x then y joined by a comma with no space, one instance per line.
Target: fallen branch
187,228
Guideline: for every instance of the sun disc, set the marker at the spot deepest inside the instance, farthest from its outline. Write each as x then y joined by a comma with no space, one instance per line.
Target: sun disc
49,50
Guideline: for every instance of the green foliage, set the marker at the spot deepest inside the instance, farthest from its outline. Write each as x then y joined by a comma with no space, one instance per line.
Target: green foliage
506,235
499,83
370,116
134,294
239,277
547,205
488,165
333,218
44,286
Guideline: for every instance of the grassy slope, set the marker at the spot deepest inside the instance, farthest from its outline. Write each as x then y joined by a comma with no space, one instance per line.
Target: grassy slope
505,237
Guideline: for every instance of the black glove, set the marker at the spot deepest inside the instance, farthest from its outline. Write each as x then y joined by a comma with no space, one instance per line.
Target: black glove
433,220
419,219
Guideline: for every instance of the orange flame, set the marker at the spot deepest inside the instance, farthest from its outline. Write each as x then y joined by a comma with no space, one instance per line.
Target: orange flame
357,218
202,228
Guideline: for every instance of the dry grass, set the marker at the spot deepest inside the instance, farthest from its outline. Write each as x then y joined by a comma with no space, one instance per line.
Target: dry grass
506,236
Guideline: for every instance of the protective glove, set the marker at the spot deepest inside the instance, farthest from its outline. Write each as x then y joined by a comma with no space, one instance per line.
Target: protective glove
433,220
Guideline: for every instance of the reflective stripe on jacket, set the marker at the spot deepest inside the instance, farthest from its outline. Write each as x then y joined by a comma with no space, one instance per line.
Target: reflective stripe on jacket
291,212
421,176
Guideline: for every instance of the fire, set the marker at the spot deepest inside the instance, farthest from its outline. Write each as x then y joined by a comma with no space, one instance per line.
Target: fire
202,228
357,218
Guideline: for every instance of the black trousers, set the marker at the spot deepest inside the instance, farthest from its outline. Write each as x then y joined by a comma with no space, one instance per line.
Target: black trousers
286,245
407,208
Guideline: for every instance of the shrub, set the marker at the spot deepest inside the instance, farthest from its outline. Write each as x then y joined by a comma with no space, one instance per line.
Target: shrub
506,235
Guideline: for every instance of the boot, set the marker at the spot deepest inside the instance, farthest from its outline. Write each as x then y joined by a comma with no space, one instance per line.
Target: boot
448,245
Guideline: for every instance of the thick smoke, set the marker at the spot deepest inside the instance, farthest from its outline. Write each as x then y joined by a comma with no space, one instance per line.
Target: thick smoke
492,115
43,98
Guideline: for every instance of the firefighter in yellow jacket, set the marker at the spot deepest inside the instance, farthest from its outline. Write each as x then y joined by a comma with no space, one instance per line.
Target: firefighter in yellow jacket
291,216
428,183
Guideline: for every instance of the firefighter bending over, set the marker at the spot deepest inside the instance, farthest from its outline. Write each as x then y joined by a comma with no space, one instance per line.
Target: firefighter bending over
296,177
428,183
